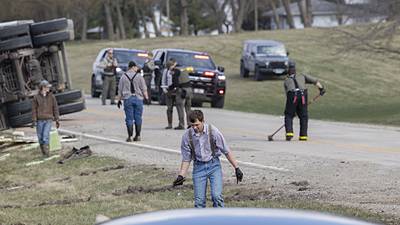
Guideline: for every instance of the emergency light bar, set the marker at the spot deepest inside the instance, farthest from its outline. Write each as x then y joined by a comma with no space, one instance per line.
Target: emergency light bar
201,57
142,54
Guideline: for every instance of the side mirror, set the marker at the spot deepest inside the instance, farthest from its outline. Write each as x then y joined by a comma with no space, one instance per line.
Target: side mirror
253,54
221,68
158,63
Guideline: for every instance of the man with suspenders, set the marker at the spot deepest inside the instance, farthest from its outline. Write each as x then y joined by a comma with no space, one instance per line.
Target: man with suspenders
204,144
132,90
296,100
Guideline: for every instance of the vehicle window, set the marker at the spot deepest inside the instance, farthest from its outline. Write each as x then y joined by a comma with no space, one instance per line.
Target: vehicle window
126,56
162,57
273,50
186,59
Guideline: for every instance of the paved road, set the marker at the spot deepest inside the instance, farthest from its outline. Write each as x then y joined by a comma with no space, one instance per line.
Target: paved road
352,164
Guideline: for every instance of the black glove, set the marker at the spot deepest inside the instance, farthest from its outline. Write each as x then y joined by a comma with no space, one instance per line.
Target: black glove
239,175
33,125
57,124
322,91
119,104
179,181
147,101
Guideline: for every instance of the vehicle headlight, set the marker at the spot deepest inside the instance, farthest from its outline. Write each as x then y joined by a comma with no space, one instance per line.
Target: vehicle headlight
221,77
267,64
119,70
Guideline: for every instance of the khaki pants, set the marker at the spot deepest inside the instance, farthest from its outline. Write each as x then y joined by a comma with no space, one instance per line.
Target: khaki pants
184,103
109,86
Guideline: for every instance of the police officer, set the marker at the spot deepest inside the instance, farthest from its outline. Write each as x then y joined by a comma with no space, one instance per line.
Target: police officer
296,100
109,65
132,90
168,89
184,93
148,69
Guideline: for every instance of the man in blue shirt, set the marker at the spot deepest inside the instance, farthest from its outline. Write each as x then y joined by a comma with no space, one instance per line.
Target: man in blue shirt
204,144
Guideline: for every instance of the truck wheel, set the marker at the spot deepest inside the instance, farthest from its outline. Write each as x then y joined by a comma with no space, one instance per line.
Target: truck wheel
68,96
15,43
49,26
20,120
50,38
71,107
218,102
14,31
17,108
243,71
257,74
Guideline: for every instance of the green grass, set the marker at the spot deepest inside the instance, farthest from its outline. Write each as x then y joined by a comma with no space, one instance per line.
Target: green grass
361,86
48,187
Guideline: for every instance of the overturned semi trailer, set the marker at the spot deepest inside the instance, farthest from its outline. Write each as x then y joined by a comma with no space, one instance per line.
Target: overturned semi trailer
29,53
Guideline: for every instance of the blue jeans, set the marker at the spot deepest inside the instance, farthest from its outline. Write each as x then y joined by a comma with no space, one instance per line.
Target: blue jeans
202,172
43,128
133,107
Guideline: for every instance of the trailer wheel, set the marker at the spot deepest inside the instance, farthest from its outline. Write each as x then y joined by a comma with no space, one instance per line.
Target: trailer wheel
49,26
50,38
15,43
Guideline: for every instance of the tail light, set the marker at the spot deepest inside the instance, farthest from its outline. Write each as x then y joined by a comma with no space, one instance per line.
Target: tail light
209,74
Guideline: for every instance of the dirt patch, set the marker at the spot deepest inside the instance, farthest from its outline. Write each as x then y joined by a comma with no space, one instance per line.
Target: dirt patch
105,169
139,189
64,201
10,206
257,195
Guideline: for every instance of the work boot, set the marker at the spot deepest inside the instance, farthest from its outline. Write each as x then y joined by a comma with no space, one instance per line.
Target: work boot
42,150
289,136
168,127
138,129
303,138
179,128
113,103
130,133
46,150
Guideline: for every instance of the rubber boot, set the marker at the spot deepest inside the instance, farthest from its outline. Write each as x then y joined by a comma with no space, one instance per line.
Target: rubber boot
289,136
138,129
130,133
46,150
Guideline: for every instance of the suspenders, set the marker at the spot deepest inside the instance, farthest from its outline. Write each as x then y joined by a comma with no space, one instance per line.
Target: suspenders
210,138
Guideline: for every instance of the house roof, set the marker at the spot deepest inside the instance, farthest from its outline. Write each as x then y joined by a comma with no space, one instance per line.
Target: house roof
319,7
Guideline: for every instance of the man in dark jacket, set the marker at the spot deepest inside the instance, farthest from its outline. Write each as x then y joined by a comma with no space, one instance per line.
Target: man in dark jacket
44,111
296,101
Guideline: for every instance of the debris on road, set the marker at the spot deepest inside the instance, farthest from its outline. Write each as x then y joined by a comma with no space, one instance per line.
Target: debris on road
75,153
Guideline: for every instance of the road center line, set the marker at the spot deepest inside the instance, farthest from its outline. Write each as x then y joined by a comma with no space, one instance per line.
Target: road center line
161,149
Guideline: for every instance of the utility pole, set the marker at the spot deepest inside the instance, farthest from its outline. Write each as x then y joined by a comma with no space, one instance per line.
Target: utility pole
256,15
168,10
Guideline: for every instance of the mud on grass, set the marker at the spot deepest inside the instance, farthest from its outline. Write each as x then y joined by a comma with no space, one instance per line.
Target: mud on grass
75,192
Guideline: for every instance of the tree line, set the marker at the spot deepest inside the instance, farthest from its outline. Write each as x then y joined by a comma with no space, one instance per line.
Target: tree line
122,19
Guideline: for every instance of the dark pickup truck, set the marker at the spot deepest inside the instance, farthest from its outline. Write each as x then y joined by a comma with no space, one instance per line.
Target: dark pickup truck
263,58
207,80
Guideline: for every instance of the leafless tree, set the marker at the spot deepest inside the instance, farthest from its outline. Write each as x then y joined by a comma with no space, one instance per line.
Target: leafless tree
289,16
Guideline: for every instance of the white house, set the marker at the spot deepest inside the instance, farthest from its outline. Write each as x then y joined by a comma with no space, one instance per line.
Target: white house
324,14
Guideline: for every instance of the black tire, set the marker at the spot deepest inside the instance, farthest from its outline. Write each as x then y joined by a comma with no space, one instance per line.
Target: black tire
71,107
20,120
15,43
243,71
17,108
50,38
49,26
218,102
197,104
257,74
161,98
68,96
14,31
94,93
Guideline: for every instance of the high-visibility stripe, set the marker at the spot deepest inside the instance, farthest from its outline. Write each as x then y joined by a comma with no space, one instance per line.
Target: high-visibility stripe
303,138
289,134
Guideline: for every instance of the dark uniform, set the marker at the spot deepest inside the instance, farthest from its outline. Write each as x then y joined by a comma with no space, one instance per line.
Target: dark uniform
148,69
109,78
184,94
296,101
